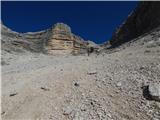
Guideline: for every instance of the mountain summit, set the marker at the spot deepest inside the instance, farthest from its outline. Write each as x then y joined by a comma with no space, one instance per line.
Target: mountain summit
63,41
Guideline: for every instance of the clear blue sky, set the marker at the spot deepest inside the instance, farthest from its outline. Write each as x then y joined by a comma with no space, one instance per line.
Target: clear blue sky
94,21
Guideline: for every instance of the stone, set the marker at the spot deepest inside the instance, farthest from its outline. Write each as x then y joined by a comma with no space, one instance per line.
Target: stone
154,91
92,72
119,84
67,111
76,84
157,104
3,112
13,94
45,89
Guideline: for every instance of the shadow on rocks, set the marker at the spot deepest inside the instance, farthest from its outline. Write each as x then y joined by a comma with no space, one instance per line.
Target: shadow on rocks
151,92
146,93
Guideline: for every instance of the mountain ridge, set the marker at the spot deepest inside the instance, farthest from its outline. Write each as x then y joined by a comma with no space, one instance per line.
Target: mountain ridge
143,19
39,39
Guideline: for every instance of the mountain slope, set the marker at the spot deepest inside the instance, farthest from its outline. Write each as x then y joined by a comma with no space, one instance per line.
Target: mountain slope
112,85
19,42
95,87
142,20
57,39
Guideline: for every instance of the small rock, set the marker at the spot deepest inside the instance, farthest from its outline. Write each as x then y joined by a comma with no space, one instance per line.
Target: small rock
45,89
92,73
67,111
157,104
119,84
154,91
142,68
76,84
3,113
13,94
109,115
83,108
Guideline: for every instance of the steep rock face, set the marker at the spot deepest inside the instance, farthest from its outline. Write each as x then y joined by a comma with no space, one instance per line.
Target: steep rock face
63,41
56,40
20,42
143,19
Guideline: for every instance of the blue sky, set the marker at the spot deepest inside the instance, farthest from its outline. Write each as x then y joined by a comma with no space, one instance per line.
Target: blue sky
94,21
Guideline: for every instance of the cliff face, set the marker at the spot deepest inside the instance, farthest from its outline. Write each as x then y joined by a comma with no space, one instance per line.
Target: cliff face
63,41
56,40
143,19
21,42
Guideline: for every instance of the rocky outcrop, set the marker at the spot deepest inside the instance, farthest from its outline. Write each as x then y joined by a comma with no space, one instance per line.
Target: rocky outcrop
56,40
60,39
21,42
143,19
63,41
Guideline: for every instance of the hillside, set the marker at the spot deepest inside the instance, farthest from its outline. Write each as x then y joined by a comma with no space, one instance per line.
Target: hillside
55,40
105,86
56,75
143,19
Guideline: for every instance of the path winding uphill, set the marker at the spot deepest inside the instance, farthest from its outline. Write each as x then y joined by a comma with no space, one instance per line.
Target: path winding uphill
98,87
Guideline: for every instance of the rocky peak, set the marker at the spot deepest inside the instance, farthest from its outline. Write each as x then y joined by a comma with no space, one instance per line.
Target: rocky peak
61,27
143,19
62,41
61,31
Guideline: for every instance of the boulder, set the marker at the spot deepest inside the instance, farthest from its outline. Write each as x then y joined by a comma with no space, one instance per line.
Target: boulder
154,91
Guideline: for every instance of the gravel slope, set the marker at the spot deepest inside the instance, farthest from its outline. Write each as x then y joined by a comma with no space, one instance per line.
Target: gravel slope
97,87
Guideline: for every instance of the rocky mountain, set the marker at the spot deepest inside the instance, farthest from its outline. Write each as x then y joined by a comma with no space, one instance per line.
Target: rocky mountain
21,42
56,40
62,41
122,83
143,19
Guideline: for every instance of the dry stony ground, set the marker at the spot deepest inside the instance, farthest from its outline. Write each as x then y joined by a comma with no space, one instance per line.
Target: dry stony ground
108,86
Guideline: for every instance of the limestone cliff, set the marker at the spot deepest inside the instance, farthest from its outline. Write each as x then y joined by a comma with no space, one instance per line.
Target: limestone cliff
63,41
56,40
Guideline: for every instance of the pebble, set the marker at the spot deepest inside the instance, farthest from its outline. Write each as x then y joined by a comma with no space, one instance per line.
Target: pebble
67,111
119,84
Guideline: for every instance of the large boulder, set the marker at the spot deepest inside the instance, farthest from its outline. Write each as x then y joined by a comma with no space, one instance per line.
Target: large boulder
154,91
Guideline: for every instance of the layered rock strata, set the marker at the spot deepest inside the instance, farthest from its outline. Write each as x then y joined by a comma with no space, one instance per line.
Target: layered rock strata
56,40
63,41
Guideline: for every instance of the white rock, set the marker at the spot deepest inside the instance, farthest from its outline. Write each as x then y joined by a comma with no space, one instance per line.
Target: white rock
154,91
67,110
92,72
119,84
